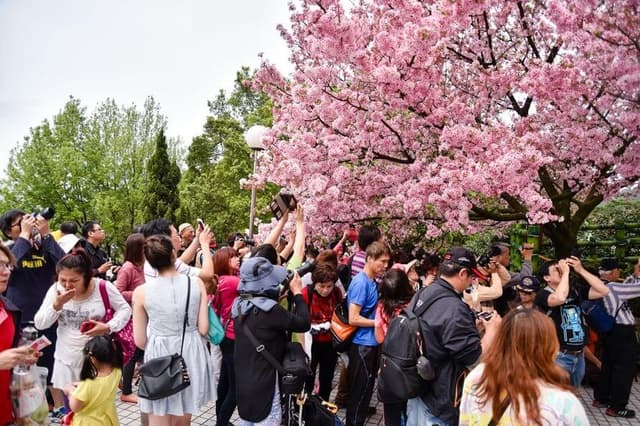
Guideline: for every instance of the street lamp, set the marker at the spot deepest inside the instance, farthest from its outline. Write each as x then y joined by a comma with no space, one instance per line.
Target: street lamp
253,136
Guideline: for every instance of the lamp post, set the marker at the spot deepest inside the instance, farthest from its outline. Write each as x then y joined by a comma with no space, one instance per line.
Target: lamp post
253,136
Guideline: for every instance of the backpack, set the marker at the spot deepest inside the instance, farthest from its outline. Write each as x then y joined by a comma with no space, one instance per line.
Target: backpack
344,273
597,317
398,378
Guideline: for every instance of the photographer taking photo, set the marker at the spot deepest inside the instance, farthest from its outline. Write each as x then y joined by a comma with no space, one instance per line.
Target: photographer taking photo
37,254
563,301
257,308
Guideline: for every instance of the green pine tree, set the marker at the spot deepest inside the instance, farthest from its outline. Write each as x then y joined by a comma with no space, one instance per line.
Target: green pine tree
162,189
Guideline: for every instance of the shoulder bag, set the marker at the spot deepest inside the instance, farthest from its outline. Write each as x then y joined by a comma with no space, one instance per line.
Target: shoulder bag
166,375
125,336
294,369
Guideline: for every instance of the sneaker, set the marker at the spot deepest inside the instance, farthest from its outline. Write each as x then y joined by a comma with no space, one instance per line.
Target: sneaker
57,414
621,412
599,404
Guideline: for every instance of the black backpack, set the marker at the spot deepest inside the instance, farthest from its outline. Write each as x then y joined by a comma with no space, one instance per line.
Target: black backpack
344,273
398,379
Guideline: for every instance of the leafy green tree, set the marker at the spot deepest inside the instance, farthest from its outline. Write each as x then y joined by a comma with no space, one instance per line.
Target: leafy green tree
219,158
162,198
87,167
50,169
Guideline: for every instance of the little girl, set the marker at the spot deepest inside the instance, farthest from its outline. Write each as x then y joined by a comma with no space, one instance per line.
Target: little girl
92,400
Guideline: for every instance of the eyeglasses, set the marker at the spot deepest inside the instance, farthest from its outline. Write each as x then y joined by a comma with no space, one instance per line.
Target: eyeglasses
18,223
4,265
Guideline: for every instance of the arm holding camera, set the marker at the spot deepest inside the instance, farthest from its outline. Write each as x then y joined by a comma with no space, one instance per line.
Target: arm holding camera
273,236
204,240
190,252
598,289
298,243
495,288
560,294
286,251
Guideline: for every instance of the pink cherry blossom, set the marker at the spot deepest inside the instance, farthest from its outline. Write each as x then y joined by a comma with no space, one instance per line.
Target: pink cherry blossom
456,114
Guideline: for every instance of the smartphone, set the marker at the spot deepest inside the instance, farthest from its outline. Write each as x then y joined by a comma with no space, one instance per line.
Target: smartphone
484,315
86,326
200,224
40,343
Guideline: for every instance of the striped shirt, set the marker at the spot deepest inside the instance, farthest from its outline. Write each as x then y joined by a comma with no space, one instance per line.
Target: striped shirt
358,262
619,293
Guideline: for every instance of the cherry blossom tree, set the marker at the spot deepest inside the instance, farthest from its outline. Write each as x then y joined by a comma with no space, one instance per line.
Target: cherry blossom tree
457,115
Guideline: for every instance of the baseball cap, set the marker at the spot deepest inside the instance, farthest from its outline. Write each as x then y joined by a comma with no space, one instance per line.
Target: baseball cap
182,227
463,257
68,242
528,284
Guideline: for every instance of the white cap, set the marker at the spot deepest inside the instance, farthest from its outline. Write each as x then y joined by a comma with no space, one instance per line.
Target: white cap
67,242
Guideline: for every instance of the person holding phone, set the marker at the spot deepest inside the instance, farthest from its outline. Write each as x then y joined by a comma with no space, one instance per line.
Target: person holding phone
75,303
10,355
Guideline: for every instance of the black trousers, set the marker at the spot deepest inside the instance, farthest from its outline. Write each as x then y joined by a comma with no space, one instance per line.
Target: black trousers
363,368
127,371
226,401
618,366
395,413
325,357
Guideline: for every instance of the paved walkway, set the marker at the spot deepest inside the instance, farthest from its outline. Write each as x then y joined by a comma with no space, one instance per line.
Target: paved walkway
129,414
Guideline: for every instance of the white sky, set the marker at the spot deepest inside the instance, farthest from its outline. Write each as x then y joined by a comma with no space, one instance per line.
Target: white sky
182,52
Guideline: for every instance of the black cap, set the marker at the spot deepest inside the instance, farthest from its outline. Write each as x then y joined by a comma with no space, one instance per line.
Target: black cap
463,257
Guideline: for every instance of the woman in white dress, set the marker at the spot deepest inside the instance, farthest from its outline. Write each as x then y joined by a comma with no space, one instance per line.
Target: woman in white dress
158,313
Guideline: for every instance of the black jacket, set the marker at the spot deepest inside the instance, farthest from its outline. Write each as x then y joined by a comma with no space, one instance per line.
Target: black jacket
255,376
452,343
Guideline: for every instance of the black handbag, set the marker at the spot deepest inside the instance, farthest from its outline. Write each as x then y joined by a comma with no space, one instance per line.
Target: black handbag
317,412
294,369
166,375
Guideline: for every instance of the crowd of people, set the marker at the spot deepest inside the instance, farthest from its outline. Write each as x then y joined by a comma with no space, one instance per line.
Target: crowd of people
506,347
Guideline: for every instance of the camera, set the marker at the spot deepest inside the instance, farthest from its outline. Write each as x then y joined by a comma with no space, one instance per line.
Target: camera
281,203
320,328
303,269
245,239
47,213
486,256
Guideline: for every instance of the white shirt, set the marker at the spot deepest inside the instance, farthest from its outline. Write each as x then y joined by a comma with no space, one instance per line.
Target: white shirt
70,340
181,267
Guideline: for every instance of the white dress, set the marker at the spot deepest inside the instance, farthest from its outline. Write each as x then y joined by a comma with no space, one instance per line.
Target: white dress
165,299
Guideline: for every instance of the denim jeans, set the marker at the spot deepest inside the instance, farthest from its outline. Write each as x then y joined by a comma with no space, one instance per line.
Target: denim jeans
418,414
574,365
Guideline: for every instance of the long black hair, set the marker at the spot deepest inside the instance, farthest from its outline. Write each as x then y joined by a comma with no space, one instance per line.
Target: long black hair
104,349
396,291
